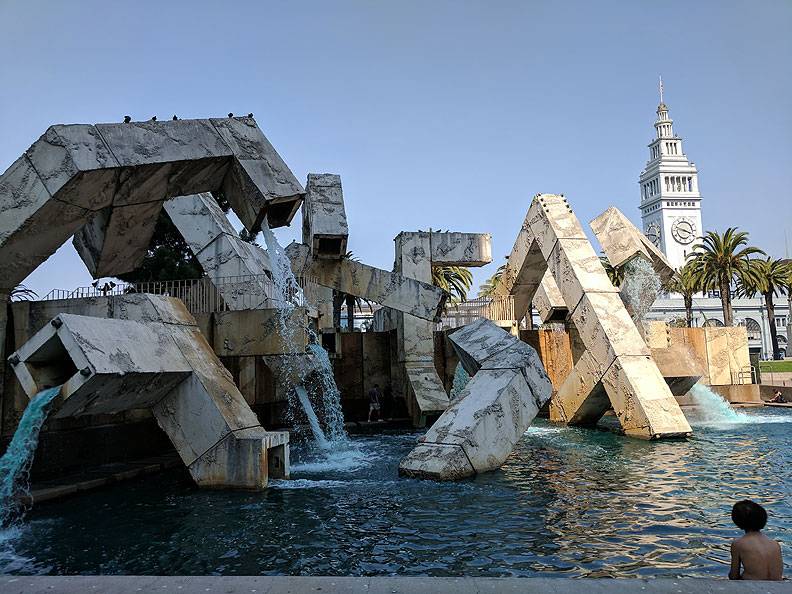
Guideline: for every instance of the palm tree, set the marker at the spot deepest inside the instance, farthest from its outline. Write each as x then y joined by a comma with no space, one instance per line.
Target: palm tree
455,280
772,275
490,286
721,259
615,273
687,283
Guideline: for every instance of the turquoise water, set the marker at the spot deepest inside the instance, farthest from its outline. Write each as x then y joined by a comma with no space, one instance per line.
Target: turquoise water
569,502
16,461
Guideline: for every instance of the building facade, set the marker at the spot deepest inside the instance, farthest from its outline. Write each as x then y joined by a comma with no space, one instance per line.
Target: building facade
671,218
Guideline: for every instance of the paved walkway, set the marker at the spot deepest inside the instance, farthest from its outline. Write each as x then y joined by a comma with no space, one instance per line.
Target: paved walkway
376,585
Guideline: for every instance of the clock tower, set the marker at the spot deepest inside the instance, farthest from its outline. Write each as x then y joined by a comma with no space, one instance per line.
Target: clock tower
670,199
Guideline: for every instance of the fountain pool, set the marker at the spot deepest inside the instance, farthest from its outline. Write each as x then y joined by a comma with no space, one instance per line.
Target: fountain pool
569,502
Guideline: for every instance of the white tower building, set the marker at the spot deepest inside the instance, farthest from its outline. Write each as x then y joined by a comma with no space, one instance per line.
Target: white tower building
670,199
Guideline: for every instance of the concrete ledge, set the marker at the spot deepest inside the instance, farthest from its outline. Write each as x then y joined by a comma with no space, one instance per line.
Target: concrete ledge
375,585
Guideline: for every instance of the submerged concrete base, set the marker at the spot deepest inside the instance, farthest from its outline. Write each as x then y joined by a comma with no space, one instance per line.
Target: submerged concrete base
374,585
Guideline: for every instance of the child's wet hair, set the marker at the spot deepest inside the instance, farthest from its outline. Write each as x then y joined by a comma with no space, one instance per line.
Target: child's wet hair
749,516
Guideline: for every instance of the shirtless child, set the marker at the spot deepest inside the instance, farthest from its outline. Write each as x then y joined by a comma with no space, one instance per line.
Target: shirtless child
759,556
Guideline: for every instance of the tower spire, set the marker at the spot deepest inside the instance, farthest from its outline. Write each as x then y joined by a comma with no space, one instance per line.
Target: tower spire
661,88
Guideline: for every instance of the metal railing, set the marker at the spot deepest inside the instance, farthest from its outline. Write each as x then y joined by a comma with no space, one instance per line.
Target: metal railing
498,309
203,295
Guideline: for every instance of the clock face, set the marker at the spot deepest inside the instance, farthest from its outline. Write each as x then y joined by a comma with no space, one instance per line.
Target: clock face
653,233
684,230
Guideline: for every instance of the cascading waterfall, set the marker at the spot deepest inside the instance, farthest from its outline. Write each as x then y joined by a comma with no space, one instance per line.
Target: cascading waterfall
288,295
331,397
713,409
15,463
461,378
639,289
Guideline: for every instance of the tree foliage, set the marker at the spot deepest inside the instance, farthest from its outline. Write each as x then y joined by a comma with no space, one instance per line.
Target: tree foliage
719,260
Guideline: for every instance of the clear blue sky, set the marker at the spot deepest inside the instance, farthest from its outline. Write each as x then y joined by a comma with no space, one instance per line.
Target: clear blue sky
436,114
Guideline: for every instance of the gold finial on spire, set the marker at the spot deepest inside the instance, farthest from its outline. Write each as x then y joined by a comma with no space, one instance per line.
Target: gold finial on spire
661,88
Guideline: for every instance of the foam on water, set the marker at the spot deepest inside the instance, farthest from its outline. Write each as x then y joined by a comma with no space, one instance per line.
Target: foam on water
712,410
15,463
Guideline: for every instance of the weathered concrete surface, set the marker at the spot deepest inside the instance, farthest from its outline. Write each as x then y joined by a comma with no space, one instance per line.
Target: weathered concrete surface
236,268
618,360
390,289
79,173
480,428
325,228
153,355
377,585
548,300
622,241
416,253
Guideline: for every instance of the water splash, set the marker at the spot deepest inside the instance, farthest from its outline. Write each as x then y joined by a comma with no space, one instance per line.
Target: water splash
461,378
15,463
712,409
640,288
313,421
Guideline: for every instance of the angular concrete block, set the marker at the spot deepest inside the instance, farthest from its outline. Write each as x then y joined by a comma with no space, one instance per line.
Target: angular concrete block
622,241
718,357
414,255
550,218
460,249
32,225
163,362
548,300
325,227
437,461
606,328
74,162
84,169
96,360
492,412
643,410
199,219
256,332
111,242
259,183
426,389
389,289
577,270
581,399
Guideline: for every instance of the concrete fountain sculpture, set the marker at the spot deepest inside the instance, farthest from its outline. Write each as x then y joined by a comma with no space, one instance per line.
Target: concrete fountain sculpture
616,370
107,184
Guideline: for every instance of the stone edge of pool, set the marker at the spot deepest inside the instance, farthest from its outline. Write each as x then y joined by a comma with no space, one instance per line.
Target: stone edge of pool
390,585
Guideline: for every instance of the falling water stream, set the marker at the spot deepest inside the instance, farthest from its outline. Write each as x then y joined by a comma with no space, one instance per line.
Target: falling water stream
288,295
313,421
15,463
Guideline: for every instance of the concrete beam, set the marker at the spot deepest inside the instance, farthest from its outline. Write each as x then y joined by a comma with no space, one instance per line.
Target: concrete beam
622,241
389,289
80,173
480,428
325,228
